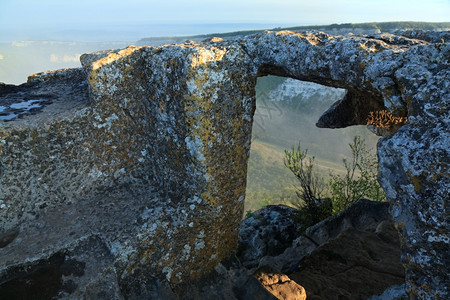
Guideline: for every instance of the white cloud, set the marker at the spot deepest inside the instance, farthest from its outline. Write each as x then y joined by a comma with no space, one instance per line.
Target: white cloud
65,58
22,43
54,57
73,58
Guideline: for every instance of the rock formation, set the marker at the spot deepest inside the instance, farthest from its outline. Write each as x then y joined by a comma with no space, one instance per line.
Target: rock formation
128,175
268,232
352,255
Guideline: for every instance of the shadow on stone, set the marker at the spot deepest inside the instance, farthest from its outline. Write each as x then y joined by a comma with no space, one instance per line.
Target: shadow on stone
42,280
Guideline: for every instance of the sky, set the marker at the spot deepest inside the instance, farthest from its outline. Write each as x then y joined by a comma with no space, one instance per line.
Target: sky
27,16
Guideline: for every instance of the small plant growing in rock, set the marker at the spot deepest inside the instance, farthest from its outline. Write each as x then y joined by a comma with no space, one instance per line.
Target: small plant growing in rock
311,185
360,179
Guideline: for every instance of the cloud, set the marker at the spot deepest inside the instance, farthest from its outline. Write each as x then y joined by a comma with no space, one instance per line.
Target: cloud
22,43
73,58
54,58
65,58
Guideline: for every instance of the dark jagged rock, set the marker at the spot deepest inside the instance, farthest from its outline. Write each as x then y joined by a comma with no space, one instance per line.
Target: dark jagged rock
268,231
364,215
354,265
145,150
229,280
354,255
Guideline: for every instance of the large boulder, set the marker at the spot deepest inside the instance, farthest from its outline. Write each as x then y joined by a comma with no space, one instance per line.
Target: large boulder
354,265
267,232
353,255
143,153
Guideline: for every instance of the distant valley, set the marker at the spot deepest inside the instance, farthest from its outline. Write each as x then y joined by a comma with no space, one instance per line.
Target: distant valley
286,113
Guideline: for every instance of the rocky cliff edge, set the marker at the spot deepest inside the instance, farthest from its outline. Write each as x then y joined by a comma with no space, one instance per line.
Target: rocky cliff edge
128,174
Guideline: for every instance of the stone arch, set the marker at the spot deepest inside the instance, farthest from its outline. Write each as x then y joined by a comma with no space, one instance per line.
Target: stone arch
146,149
278,114
381,91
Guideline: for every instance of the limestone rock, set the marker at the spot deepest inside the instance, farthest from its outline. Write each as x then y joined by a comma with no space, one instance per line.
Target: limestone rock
354,255
395,292
354,265
364,215
280,285
268,231
144,150
229,280
120,157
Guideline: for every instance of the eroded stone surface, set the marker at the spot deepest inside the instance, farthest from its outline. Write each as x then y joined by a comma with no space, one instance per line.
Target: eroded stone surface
267,232
134,166
355,264
354,255
145,149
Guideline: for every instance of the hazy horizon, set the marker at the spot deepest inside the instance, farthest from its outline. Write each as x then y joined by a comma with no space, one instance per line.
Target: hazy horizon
109,20
128,32
120,23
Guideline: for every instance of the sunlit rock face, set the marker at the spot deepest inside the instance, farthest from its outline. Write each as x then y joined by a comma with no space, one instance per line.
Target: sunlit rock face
129,179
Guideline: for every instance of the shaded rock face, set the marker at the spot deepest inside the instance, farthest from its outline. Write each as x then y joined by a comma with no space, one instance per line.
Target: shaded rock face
269,231
354,265
228,280
353,255
145,149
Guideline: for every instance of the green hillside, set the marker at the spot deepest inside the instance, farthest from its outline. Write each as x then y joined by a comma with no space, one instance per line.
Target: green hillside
279,125
381,26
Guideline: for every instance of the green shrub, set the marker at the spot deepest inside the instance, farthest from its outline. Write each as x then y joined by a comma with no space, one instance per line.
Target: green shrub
311,185
359,181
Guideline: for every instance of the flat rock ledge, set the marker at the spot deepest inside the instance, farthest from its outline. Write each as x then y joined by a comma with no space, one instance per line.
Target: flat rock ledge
127,176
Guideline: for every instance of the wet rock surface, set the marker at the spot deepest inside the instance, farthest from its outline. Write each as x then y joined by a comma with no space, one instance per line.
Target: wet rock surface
67,89
145,150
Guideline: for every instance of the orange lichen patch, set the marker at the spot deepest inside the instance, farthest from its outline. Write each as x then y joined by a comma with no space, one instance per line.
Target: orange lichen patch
417,180
373,46
216,39
425,287
146,254
204,56
111,57
439,170
383,118
417,184
314,40
284,32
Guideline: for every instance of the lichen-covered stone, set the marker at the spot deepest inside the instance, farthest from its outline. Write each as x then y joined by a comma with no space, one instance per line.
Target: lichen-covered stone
267,232
151,162
354,254
145,150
